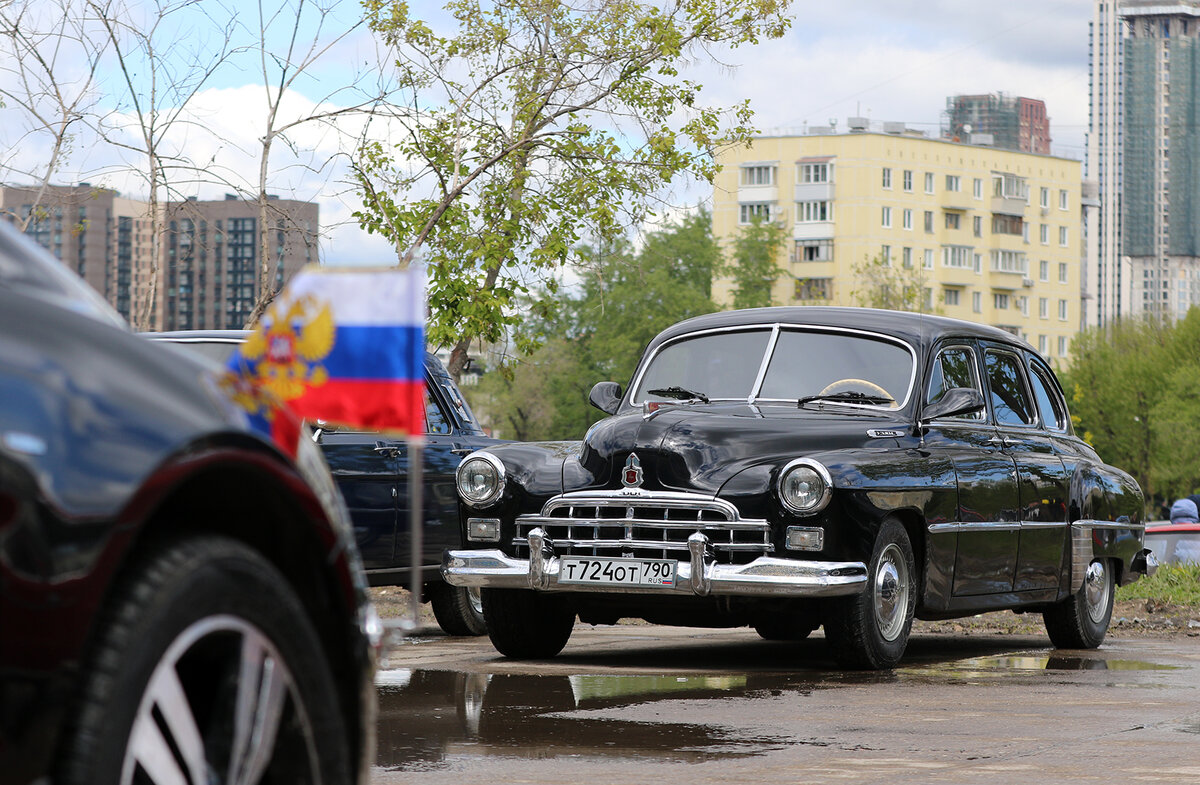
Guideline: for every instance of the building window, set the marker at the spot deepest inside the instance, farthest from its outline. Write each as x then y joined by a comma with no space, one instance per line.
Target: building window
758,175
813,288
957,256
953,220
929,182
1044,307
885,218
1023,305
906,256
814,250
814,173
885,253
978,262
950,296
1062,199
1062,236
928,263
908,180
1062,272
1045,200
1062,310
929,221
887,177
748,212
1000,301
1062,346
1007,224
977,188
814,212
907,219
1044,234
1010,262
977,302
1009,186
1043,344
1044,270
977,225
953,183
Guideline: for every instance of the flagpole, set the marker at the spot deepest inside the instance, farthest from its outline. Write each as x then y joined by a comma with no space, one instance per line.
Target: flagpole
416,522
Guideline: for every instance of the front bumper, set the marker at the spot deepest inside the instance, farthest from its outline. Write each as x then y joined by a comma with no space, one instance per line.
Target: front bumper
699,576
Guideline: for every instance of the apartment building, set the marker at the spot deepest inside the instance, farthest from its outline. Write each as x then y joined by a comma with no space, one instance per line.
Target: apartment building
993,235
206,265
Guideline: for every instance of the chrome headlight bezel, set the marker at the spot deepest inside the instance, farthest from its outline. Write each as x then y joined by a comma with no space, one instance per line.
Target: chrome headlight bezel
494,493
817,472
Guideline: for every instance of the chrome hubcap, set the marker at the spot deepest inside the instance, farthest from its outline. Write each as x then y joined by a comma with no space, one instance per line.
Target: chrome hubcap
1096,591
891,588
221,706
475,598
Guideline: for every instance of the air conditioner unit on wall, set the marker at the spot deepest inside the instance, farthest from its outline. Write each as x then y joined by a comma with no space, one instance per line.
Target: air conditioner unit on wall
1027,282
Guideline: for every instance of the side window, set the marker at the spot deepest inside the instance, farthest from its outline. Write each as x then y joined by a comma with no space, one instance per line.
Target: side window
1010,399
1049,403
435,420
954,367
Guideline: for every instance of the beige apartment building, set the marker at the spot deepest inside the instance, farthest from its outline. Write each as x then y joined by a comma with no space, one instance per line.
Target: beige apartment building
992,235
207,259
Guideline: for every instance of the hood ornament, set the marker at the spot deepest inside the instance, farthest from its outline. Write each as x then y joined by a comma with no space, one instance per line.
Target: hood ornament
631,475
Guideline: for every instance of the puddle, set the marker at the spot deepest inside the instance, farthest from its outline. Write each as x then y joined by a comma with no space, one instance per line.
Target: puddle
426,717
998,665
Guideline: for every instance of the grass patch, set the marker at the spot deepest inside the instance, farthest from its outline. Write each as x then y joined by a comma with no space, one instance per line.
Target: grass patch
1178,584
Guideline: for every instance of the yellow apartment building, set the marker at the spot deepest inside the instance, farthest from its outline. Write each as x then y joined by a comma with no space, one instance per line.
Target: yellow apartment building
994,235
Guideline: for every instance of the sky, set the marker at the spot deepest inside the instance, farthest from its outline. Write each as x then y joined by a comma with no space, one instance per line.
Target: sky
886,60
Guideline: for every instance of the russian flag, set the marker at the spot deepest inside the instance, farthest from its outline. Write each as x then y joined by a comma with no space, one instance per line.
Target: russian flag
345,346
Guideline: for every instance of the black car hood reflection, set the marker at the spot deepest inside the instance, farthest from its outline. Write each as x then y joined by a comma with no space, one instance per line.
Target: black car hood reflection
701,447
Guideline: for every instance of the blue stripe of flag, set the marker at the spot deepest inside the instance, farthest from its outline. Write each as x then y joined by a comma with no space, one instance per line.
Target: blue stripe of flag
383,353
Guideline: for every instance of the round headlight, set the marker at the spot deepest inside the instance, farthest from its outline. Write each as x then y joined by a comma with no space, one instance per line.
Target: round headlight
480,479
804,486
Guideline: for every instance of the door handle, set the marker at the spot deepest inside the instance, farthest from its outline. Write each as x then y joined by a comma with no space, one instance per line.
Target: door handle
1000,441
462,451
386,450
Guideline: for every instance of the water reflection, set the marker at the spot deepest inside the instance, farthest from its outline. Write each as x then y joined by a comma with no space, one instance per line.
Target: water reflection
426,716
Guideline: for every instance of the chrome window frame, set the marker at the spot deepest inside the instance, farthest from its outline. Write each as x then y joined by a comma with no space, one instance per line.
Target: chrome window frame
775,329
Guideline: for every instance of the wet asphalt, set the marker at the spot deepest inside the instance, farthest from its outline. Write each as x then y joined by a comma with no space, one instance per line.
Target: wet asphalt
642,704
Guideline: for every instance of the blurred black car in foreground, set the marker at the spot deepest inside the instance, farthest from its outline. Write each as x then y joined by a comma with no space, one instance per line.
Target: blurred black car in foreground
371,471
796,467
179,601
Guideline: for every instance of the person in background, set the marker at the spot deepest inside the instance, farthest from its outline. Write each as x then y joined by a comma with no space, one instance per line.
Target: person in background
1185,511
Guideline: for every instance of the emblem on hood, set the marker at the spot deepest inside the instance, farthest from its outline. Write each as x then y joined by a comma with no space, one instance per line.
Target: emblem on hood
631,475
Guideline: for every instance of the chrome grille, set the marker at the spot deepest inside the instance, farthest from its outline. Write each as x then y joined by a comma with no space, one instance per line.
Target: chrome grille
644,524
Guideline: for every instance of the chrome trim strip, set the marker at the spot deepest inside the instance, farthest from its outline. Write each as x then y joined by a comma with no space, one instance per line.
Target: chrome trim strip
636,497
698,575
657,545
762,366
1087,525
750,525
1093,524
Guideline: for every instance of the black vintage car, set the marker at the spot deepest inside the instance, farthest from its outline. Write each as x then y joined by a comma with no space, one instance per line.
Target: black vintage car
788,468
371,471
179,600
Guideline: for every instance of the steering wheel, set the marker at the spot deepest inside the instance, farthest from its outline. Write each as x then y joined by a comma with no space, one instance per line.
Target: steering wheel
854,385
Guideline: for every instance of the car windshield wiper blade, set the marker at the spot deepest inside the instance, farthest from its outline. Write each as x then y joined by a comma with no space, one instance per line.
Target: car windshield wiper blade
679,393
847,397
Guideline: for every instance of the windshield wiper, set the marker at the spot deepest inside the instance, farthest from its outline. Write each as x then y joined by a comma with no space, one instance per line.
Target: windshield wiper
679,394
849,396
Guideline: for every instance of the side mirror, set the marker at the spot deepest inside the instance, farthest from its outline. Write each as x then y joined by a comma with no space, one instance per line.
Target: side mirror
956,401
606,396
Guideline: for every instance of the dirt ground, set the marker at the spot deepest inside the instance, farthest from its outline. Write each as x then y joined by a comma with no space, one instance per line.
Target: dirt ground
1131,619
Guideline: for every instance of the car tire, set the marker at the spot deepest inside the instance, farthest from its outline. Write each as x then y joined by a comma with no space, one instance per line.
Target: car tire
1081,620
524,624
458,609
206,664
869,631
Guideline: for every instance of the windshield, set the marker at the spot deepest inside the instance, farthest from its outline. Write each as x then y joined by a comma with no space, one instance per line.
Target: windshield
839,367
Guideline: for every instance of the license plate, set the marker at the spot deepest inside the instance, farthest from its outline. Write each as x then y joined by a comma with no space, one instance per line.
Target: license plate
617,571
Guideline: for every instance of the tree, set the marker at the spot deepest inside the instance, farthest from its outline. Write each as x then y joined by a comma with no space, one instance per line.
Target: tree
162,65
48,63
755,268
625,299
881,285
536,124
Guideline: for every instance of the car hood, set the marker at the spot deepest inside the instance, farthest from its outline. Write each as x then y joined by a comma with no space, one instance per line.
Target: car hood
701,447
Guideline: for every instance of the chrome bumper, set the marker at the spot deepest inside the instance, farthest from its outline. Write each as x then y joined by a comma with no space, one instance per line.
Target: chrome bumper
699,575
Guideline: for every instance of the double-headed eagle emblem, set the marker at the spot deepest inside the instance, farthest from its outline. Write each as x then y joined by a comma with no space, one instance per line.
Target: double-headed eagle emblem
283,355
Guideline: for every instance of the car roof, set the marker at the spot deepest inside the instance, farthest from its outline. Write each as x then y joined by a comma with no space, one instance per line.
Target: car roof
920,330
432,363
